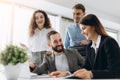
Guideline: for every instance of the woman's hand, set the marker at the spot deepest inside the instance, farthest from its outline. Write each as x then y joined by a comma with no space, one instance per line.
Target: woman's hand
31,64
83,74
48,53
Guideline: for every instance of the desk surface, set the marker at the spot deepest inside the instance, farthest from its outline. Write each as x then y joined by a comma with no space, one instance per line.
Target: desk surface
25,75
2,77
40,77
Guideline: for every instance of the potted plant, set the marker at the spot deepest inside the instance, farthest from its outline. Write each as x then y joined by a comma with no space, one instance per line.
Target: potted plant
12,57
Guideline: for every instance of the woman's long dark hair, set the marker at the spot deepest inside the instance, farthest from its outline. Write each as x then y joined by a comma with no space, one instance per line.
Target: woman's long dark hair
93,21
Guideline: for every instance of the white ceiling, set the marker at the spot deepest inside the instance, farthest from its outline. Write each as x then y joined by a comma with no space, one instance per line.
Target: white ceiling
109,9
106,9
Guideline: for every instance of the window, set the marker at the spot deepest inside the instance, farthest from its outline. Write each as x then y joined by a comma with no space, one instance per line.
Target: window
14,23
112,33
54,22
5,24
22,17
15,19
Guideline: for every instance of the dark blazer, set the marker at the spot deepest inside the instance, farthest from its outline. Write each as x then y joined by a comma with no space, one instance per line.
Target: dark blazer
75,61
107,63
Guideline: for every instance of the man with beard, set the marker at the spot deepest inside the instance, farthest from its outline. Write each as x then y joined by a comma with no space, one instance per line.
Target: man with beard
60,59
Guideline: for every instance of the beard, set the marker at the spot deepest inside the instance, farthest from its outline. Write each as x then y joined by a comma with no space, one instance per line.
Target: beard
56,49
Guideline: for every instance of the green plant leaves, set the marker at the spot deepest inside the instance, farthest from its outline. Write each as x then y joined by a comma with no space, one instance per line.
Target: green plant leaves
13,54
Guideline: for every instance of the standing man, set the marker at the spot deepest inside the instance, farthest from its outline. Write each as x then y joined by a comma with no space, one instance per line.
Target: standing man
73,34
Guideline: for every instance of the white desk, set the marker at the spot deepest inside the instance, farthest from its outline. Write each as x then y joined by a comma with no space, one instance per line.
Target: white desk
42,79
24,74
3,77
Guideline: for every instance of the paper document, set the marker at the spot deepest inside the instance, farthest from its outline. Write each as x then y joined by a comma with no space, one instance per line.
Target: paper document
40,76
69,76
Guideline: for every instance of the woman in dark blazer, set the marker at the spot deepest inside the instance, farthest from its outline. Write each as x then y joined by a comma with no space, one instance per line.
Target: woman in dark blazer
103,52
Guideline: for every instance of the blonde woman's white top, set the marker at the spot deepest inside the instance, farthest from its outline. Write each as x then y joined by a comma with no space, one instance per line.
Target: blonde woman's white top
38,41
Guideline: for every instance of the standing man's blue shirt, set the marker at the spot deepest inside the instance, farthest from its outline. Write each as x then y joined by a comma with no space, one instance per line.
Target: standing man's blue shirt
73,36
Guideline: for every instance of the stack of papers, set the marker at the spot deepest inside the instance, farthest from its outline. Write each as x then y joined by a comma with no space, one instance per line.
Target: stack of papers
68,77
40,76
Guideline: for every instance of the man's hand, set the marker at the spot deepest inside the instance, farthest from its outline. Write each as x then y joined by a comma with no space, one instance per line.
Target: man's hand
59,74
24,46
84,42
83,74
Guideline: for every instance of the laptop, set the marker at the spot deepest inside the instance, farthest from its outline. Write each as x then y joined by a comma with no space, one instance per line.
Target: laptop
25,71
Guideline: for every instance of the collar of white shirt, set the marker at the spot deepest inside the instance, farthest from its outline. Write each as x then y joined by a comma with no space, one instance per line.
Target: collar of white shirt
96,45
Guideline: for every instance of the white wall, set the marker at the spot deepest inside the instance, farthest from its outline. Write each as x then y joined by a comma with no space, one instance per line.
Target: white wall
108,25
64,23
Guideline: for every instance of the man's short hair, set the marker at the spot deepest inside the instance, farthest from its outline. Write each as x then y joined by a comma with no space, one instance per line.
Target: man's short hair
51,33
79,6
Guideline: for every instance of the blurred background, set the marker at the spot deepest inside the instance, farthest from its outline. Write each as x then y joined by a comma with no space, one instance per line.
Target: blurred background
15,16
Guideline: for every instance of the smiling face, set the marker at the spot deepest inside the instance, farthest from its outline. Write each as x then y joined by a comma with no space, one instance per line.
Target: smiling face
88,31
40,19
56,42
77,15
